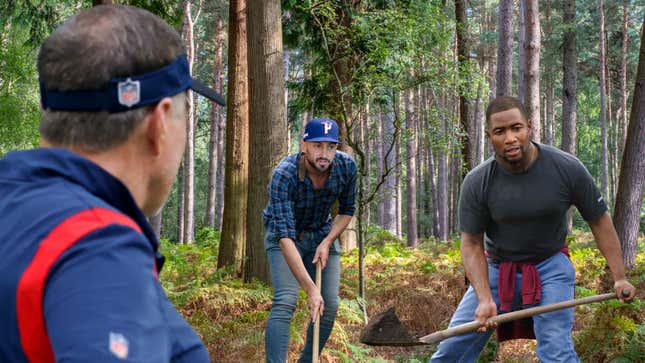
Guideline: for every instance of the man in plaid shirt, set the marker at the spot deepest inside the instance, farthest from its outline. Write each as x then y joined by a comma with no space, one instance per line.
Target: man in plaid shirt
300,232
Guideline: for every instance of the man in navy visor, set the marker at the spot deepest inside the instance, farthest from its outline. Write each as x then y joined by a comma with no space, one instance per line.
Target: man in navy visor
78,281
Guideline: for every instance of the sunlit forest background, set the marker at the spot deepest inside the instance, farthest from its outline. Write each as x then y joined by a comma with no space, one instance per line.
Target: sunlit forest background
408,81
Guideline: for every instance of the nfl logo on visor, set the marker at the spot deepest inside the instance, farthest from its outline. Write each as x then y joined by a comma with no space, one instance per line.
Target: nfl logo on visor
129,92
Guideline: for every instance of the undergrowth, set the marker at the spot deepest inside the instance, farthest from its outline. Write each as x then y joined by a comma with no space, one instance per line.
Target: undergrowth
424,285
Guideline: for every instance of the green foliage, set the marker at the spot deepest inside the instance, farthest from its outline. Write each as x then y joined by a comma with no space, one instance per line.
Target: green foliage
168,10
489,354
616,326
231,315
380,42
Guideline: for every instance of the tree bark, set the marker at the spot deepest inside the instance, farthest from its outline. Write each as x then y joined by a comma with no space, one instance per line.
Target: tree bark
549,83
504,82
603,104
433,209
215,116
219,177
189,155
267,143
443,182
233,242
380,169
398,173
467,138
367,145
532,67
155,223
570,75
623,80
411,167
389,190
480,122
521,51
629,198
181,203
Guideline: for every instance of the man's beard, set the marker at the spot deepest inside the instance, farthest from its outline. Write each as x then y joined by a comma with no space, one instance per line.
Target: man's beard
317,167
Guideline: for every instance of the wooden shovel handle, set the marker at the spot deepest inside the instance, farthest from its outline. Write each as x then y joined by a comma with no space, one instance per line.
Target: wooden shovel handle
514,315
315,351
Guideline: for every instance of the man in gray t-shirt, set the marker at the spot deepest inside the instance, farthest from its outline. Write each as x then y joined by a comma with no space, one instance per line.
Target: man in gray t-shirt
523,214
512,212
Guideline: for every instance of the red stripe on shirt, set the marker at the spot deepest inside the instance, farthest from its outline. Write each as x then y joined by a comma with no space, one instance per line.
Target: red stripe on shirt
29,298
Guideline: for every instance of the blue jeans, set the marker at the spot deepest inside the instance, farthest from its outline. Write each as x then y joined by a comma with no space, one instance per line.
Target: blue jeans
285,296
552,330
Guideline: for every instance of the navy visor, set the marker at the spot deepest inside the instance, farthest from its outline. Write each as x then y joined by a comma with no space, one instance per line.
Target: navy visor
127,93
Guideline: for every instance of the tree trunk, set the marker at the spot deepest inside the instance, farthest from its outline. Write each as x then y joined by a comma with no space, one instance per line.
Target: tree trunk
189,155
504,82
570,75
233,242
267,143
480,123
521,51
431,189
341,104
215,116
603,105
467,138
411,167
550,111
629,198
397,167
420,162
219,177
380,169
549,84
455,182
611,135
367,145
221,136
532,66
181,203
443,183
389,190
397,170
623,80
155,222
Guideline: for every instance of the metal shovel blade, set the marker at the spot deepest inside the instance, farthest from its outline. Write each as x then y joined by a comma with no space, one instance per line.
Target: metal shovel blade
386,329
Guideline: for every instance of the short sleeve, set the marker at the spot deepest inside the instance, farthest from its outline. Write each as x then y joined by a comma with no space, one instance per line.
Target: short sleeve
473,211
585,195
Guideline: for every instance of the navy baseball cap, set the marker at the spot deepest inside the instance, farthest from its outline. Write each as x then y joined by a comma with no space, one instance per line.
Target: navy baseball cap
127,93
321,130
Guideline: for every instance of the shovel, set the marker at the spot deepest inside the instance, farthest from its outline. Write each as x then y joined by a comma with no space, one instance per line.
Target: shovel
386,329
315,351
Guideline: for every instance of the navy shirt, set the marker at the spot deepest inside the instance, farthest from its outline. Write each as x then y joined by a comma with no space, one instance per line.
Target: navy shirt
523,215
78,278
295,206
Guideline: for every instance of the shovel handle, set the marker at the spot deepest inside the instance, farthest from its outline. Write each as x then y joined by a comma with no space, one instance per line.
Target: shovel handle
316,343
514,315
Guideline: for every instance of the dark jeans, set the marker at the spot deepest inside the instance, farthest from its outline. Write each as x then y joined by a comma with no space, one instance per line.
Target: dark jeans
285,297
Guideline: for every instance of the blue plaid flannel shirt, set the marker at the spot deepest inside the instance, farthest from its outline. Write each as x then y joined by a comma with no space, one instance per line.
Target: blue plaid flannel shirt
295,206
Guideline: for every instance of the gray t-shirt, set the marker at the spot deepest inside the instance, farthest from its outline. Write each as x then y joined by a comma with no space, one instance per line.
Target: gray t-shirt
524,215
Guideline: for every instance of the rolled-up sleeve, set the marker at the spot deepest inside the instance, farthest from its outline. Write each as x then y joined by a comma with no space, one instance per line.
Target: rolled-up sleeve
347,198
282,195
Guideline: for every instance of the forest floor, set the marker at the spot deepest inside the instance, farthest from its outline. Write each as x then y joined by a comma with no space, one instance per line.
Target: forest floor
424,285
